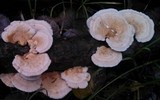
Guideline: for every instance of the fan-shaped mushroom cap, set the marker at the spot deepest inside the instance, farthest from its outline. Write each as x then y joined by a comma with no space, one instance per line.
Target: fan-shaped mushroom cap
18,31
106,57
91,19
40,42
144,26
55,86
76,77
40,25
31,64
93,22
122,42
26,85
7,79
109,25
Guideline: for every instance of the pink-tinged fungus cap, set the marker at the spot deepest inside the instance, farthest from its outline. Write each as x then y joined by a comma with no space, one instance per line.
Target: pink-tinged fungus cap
91,19
39,25
76,77
110,26
26,85
106,57
7,79
18,31
40,42
56,87
144,26
31,64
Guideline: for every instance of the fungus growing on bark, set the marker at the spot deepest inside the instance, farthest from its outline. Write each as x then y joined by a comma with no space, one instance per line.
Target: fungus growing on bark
18,32
56,87
106,57
25,85
76,77
144,26
40,42
110,26
6,79
39,25
31,64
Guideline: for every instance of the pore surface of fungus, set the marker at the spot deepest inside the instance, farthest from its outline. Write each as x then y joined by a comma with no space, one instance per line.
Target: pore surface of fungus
31,64
18,32
144,26
110,26
76,77
55,86
26,85
106,57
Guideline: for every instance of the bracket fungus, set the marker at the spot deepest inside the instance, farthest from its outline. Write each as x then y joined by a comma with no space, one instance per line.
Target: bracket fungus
76,77
40,42
6,79
26,85
40,25
110,26
31,64
144,26
18,31
55,86
106,57
37,33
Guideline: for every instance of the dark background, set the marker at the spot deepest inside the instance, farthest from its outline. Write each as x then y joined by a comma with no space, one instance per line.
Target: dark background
13,8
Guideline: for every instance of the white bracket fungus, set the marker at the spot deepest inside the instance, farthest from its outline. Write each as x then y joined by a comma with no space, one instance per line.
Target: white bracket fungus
38,34
110,26
39,25
55,86
18,31
144,26
6,79
31,64
106,57
76,77
40,42
25,85
91,19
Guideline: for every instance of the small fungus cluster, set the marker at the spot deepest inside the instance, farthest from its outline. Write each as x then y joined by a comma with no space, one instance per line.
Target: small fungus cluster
118,29
53,84
31,66
38,35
